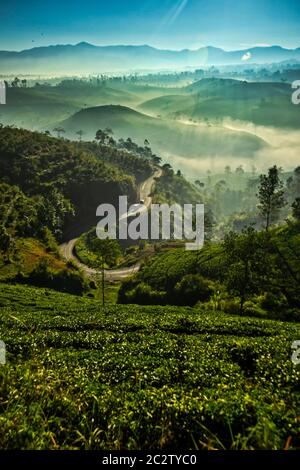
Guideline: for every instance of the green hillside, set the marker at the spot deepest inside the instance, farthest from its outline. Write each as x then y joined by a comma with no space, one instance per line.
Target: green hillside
49,191
167,137
129,377
42,106
168,105
216,99
217,277
46,167
121,119
237,89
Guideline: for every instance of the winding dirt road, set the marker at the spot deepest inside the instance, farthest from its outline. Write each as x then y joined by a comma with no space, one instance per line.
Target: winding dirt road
68,252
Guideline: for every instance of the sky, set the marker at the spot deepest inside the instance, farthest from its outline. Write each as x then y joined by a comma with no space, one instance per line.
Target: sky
166,24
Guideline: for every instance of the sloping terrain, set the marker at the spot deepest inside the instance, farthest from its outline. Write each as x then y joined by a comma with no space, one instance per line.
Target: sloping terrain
166,137
267,104
127,377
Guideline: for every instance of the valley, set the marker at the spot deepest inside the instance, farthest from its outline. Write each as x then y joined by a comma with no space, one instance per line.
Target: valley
136,343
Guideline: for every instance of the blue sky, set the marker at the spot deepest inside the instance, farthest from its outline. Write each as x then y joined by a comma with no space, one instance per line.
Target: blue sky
172,24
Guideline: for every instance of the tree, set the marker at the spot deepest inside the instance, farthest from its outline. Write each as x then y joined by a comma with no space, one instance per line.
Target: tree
59,131
18,213
297,177
271,196
105,136
246,260
199,183
293,185
167,169
108,252
80,134
156,160
296,209
227,170
101,136
5,239
191,289
220,186
240,170
108,131
209,180
54,210
111,141
15,82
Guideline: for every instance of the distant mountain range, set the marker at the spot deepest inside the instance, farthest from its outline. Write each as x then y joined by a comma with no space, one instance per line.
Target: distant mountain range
87,58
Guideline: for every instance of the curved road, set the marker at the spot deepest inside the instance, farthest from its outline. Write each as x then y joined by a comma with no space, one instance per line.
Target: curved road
68,252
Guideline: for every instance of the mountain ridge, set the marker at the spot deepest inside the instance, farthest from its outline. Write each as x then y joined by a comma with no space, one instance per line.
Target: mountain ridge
90,58
88,44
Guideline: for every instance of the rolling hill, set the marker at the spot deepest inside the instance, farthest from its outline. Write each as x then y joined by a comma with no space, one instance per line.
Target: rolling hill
41,106
215,99
169,138
120,118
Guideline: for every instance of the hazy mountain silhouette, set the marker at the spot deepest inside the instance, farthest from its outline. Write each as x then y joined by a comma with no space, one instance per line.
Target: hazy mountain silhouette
87,58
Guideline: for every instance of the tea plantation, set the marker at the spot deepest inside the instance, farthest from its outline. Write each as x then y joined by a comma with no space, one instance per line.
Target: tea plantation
78,376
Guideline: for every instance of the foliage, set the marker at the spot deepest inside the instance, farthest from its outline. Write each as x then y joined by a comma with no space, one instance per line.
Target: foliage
296,209
248,264
172,189
59,177
131,377
271,196
191,289
64,280
92,251
131,163
244,266
19,214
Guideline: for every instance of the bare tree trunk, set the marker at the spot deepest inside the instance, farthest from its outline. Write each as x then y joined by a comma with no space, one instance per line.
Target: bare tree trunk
103,282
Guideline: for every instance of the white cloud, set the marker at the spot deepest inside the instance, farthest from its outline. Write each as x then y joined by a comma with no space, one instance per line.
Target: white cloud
258,44
262,44
247,56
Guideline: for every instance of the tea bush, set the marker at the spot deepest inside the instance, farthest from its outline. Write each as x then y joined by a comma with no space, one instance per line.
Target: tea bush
80,376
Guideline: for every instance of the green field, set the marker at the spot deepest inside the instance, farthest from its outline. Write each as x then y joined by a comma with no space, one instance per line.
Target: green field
217,99
131,377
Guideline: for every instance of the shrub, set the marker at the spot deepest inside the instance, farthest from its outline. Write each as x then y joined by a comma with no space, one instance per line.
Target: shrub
254,310
232,306
245,356
49,241
64,280
274,301
191,289
142,294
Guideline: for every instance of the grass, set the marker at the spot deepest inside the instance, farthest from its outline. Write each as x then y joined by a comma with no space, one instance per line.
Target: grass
111,291
130,377
28,253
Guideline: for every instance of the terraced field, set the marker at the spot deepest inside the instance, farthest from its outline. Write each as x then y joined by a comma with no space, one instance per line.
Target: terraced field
133,377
